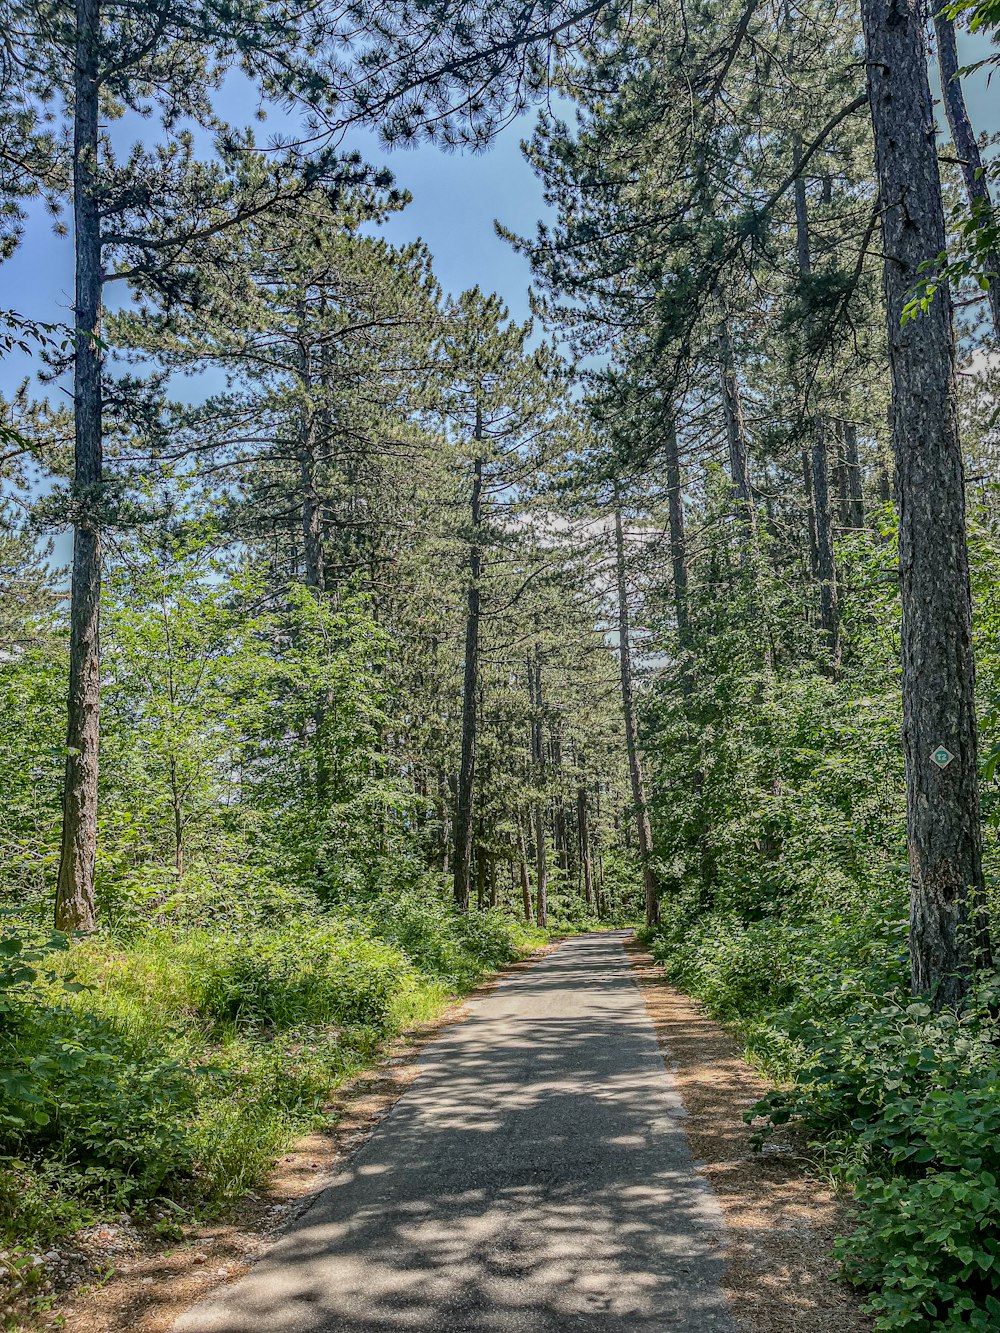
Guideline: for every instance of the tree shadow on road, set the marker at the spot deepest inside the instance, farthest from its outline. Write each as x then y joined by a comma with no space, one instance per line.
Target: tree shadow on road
537,1177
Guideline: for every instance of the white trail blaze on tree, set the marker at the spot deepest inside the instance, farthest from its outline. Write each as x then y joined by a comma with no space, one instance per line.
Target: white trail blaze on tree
947,921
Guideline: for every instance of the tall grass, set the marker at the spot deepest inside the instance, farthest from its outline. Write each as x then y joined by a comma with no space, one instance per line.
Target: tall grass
179,1065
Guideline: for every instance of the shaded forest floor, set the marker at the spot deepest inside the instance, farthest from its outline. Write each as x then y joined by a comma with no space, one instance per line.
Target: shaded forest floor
781,1220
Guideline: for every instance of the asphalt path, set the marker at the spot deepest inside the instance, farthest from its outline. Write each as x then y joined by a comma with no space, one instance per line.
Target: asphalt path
535,1177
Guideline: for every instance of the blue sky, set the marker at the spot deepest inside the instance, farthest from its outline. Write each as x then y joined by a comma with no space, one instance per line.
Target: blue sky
456,198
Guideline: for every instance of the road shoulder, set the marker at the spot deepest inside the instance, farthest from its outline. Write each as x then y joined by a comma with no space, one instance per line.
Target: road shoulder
780,1219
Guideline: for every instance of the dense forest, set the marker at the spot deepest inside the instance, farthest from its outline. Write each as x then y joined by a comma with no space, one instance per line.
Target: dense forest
398,634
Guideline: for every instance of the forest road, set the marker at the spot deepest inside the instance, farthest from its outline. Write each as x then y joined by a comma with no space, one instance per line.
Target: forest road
535,1177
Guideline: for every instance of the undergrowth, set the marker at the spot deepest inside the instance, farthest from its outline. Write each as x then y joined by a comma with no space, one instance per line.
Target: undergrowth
175,1065
902,1102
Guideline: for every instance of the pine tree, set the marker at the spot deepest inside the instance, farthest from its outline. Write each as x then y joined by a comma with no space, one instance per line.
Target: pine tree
948,931
134,218
501,405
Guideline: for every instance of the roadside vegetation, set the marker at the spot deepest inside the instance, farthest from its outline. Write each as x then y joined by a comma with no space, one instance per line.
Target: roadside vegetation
788,918
270,878
355,634
177,1065
897,1102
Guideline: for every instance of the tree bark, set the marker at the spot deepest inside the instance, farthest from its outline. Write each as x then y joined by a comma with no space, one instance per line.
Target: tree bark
810,513
948,927
522,862
675,519
312,535
852,468
467,768
643,830
818,472
75,906
829,618
732,411
583,826
560,840
538,764
541,870
966,145
313,561
602,897
480,879
840,475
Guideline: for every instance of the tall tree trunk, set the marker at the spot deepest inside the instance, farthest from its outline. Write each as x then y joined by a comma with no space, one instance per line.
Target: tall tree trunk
560,840
467,769
538,765
541,870
643,830
736,440
840,474
312,541
75,908
312,535
678,557
810,513
819,464
732,408
602,897
829,618
963,136
480,878
947,919
522,865
852,468
803,248
583,827
675,519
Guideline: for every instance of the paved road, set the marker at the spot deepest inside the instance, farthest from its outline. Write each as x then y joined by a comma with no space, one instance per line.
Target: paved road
536,1177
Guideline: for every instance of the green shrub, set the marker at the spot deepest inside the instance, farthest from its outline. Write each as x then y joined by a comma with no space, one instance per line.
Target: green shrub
89,1098
39,1202
453,948
929,1249
308,974
490,939
733,966
904,1101
180,1063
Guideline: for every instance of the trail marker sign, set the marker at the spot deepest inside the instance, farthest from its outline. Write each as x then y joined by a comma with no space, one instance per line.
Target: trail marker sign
941,756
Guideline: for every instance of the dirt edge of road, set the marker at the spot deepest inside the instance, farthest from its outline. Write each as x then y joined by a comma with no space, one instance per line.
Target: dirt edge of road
780,1219
148,1282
